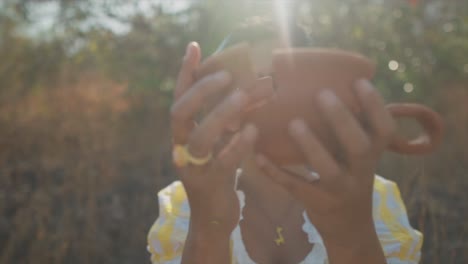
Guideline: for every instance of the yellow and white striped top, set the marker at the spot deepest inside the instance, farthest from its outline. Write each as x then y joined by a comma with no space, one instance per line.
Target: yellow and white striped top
400,242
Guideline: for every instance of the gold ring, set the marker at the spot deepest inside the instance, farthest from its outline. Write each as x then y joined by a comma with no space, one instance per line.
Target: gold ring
181,157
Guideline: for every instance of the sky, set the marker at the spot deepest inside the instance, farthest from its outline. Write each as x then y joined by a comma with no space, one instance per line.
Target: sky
45,14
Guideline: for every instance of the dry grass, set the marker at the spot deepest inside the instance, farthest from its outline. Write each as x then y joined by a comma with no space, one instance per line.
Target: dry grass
434,187
79,173
80,166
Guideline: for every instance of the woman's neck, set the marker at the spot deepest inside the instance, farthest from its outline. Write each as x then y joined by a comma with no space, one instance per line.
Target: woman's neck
258,187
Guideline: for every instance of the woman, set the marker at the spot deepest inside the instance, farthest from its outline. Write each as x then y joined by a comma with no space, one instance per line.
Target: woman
264,213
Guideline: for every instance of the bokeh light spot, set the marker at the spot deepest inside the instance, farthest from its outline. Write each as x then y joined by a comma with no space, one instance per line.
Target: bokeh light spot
408,87
393,65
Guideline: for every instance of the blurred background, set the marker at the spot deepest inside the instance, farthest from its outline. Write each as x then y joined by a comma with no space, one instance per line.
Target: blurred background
85,88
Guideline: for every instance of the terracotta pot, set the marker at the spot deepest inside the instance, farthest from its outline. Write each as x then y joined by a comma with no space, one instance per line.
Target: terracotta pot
298,76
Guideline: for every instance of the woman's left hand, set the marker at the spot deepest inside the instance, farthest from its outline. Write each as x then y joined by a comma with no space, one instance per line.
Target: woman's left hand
339,204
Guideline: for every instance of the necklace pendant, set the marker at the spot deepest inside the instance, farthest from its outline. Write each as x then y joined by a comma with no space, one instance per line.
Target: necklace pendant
280,240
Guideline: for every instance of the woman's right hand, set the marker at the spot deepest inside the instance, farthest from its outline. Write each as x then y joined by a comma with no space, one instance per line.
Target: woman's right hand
210,187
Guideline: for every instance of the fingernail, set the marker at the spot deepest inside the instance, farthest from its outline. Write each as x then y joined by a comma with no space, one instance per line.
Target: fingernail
328,98
364,85
297,126
312,176
250,133
261,161
189,50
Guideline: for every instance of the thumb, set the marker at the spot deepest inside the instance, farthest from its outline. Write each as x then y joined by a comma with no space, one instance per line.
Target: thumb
239,147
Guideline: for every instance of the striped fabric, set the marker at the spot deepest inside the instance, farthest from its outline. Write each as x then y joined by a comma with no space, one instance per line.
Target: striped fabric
401,243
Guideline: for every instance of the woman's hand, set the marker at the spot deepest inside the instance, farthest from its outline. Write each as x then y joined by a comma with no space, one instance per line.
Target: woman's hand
339,204
210,187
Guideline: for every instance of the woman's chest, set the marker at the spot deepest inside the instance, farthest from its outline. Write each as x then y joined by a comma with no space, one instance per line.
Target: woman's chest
275,243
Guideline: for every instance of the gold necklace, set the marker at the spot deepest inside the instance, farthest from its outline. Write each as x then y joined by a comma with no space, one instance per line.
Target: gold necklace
279,239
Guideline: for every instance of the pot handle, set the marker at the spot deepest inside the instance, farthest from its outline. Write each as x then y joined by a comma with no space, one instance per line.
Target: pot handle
430,121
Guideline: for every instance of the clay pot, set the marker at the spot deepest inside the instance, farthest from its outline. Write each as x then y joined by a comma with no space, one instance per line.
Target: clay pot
298,76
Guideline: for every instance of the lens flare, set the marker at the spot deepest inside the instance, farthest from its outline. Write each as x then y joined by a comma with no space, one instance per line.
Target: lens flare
284,16
283,10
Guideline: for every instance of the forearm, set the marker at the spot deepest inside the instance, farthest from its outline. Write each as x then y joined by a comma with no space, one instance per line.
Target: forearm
365,248
206,246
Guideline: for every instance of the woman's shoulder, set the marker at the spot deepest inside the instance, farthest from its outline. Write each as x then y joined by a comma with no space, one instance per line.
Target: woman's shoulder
387,201
173,200
168,233
400,241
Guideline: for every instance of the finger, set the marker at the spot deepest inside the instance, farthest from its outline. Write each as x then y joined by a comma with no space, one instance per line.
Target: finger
344,125
204,137
293,184
303,171
191,102
260,94
381,123
195,98
318,157
189,64
231,156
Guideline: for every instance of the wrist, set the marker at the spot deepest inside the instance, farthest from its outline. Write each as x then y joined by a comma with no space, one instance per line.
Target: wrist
207,238
210,229
359,237
206,246
361,245
209,221
346,233
342,226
